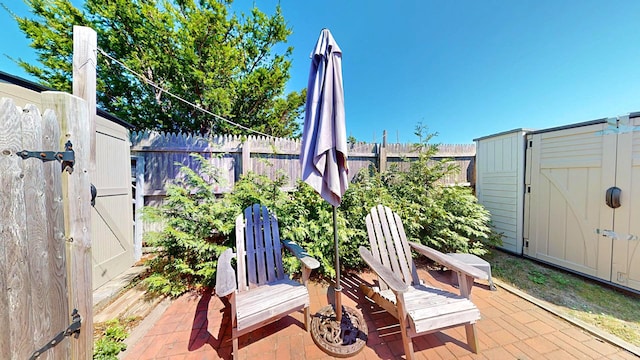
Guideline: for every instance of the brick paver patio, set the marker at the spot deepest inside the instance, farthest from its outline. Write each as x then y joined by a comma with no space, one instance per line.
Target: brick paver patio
198,327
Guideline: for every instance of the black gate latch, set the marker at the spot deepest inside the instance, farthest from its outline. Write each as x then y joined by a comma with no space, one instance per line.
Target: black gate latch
67,157
73,329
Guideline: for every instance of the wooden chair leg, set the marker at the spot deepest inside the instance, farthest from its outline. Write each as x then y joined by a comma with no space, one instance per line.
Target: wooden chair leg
472,339
408,347
407,343
406,340
307,319
235,348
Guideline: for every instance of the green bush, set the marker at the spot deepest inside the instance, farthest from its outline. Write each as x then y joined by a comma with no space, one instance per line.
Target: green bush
308,220
448,218
111,343
199,226
196,231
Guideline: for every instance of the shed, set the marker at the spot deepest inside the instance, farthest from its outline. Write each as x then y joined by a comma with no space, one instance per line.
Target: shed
112,215
500,183
579,196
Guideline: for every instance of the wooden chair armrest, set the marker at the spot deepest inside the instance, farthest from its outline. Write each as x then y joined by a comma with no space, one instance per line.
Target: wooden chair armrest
301,254
395,284
449,262
225,274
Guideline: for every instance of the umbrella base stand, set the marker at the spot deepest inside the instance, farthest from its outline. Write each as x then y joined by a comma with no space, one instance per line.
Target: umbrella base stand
339,340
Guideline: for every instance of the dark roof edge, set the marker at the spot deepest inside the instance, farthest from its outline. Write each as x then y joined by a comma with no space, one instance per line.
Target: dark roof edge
555,128
503,133
27,84
584,123
570,126
109,116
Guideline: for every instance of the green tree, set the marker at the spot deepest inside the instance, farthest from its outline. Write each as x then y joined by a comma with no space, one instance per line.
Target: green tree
201,51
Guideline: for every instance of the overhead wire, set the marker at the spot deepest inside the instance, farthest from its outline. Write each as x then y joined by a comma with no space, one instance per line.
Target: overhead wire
157,87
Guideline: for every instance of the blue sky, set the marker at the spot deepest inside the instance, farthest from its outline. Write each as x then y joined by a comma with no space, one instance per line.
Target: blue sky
465,69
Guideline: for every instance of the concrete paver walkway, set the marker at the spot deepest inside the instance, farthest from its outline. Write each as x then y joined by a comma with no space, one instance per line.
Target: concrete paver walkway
198,327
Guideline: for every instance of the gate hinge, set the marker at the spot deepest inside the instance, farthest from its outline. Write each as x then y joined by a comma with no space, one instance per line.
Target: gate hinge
67,157
73,329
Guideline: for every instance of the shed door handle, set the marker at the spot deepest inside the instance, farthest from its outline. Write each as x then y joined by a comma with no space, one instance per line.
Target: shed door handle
612,197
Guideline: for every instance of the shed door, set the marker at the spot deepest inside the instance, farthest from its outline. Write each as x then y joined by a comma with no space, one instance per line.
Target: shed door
570,171
626,244
112,217
569,223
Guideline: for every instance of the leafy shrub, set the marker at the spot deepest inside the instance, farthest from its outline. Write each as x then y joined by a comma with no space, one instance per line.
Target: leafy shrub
308,220
196,229
448,218
200,226
112,341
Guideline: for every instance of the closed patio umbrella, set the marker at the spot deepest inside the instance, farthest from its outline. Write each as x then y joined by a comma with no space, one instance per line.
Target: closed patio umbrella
323,160
324,140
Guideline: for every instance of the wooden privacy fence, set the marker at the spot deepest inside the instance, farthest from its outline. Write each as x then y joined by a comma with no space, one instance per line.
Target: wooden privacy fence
235,155
45,258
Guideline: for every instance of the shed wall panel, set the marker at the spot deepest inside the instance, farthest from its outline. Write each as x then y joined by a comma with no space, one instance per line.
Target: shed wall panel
500,183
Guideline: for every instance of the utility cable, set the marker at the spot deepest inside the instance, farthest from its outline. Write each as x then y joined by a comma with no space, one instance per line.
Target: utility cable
149,82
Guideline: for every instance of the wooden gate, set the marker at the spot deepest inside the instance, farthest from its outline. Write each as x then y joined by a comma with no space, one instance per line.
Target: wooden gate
569,221
45,243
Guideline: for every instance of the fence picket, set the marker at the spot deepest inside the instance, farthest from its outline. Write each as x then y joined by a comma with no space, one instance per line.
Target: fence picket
12,222
36,227
56,295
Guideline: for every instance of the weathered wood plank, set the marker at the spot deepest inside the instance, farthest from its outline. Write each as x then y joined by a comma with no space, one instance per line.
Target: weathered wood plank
241,253
449,262
387,275
72,116
225,275
16,303
404,261
57,294
264,303
258,225
304,257
407,250
268,246
385,223
36,225
277,248
250,243
83,130
376,239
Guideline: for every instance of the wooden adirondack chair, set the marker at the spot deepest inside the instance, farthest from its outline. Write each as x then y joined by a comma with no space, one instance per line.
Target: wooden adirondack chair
420,309
264,293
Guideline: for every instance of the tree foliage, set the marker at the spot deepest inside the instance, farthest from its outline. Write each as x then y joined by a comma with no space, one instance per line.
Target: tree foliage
201,51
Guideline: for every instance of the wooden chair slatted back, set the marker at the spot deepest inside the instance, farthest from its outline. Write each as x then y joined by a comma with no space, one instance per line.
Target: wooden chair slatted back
389,244
259,252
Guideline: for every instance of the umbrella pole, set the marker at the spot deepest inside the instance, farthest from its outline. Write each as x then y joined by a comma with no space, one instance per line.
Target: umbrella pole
338,287
339,331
